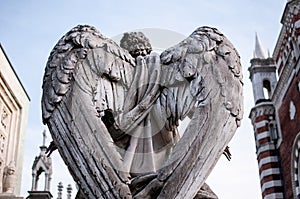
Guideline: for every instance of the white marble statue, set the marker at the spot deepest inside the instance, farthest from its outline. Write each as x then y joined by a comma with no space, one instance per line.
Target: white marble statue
10,178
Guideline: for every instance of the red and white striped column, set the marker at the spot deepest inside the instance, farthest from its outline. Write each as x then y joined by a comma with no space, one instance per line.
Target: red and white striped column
265,132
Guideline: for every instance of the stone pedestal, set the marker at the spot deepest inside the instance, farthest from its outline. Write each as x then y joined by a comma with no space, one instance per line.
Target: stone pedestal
3,196
39,195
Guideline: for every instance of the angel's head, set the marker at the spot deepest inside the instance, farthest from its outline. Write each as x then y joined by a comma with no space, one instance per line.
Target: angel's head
136,43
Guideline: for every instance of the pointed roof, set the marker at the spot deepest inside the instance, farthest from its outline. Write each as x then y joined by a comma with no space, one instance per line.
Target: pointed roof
42,163
258,50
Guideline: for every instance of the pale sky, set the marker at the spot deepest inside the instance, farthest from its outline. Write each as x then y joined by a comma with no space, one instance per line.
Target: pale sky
30,29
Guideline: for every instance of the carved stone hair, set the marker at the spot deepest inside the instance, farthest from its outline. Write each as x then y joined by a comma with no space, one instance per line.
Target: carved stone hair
136,43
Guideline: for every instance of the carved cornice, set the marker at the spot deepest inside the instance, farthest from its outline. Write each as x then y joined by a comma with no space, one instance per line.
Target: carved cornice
291,8
278,45
262,62
261,68
13,70
263,108
283,82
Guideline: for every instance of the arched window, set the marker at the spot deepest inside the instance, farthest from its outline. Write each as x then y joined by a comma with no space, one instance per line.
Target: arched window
40,180
267,89
295,162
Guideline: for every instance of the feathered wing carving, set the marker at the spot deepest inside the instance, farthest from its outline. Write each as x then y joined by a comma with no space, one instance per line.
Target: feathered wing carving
88,77
84,76
211,65
208,56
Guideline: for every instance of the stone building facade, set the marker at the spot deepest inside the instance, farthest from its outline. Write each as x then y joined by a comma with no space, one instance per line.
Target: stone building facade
14,105
276,114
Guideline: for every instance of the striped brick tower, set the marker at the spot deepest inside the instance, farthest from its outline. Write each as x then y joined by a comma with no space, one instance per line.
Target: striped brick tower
265,133
263,118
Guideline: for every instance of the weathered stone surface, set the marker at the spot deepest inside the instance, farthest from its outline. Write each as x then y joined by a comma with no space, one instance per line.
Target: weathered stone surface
10,197
42,164
39,195
10,178
113,115
14,106
205,193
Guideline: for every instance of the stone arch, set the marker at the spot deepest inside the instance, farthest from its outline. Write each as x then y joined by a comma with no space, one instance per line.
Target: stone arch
42,164
295,166
267,88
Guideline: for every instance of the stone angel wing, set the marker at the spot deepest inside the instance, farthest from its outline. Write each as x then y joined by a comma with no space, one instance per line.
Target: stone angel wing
84,76
209,63
212,66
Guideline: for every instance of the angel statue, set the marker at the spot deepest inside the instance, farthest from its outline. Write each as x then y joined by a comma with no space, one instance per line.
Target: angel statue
113,112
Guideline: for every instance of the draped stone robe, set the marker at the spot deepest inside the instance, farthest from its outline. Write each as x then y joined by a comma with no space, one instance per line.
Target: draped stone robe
150,116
